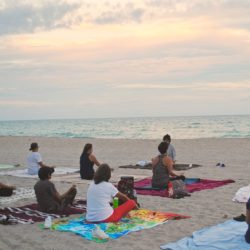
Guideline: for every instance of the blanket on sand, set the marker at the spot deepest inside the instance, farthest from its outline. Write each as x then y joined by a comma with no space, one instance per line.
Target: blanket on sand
143,187
31,213
177,167
18,194
226,236
24,173
6,166
135,220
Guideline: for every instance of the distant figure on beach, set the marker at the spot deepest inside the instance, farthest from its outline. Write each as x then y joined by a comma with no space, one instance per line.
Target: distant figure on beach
100,193
49,200
247,235
162,167
34,160
87,162
171,150
6,190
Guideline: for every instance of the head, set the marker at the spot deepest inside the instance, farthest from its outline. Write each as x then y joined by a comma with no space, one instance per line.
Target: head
163,147
166,138
88,148
45,173
34,146
103,173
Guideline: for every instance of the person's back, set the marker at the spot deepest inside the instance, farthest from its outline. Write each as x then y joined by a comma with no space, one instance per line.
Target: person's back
98,198
45,194
86,167
160,177
171,152
33,160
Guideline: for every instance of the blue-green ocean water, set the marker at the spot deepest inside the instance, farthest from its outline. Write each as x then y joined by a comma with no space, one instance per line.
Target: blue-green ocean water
133,128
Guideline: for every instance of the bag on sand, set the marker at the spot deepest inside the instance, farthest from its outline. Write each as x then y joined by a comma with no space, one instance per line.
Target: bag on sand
179,189
126,186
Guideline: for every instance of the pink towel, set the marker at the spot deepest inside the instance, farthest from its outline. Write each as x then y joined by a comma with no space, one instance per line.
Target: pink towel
201,185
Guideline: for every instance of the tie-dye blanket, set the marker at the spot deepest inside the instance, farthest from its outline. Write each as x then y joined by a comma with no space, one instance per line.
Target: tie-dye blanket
31,213
226,236
135,220
143,187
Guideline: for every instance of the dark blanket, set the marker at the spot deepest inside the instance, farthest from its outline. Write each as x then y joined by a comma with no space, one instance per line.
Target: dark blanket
144,187
31,213
177,167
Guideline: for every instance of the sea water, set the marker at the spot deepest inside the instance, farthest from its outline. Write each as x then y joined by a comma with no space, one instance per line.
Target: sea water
133,128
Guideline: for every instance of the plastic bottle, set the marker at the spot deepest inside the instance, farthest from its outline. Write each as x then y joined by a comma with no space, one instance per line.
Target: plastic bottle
48,222
170,189
115,202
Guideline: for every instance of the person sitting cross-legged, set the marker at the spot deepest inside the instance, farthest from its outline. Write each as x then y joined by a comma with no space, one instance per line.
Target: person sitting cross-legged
49,200
99,196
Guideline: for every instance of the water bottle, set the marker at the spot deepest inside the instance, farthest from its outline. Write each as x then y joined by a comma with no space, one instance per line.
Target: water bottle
170,189
115,202
48,222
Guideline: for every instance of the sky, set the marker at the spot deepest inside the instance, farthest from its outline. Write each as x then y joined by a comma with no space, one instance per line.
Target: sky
123,58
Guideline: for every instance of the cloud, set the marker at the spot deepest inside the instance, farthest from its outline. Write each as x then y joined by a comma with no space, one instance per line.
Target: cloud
121,14
17,16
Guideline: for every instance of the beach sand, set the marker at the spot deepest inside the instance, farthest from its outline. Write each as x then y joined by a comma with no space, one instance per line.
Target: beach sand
206,207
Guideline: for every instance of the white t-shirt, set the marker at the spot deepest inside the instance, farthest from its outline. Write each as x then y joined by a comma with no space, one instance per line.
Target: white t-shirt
33,160
98,198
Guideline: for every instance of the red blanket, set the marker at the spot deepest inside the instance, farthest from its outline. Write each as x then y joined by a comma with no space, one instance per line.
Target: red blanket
198,186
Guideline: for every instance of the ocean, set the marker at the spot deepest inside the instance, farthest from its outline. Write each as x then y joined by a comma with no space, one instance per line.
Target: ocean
133,128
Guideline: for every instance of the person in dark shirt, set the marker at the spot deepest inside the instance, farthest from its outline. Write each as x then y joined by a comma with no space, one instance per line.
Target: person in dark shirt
87,162
49,200
247,235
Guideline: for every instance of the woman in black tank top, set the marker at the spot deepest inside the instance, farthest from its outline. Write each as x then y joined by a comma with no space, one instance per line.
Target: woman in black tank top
87,162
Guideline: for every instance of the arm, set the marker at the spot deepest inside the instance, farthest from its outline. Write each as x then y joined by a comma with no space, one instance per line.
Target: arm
122,197
169,164
174,155
6,186
93,159
58,197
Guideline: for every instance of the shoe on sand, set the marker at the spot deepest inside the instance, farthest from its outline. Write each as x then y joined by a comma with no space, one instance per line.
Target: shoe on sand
241,217
100,234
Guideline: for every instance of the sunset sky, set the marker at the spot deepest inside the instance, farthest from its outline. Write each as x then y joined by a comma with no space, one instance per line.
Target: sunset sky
121,58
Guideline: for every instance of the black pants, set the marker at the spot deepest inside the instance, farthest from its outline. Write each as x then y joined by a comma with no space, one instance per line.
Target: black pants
6,191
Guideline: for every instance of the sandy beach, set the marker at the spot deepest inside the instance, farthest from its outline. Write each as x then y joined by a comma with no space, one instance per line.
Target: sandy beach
206,207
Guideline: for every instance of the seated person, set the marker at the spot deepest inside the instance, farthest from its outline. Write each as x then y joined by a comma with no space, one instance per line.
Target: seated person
34,160
171,150
6,190
87,162
49,200
100,193
162,167
247,235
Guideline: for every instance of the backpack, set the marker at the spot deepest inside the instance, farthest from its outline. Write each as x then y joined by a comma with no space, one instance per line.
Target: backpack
179,189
